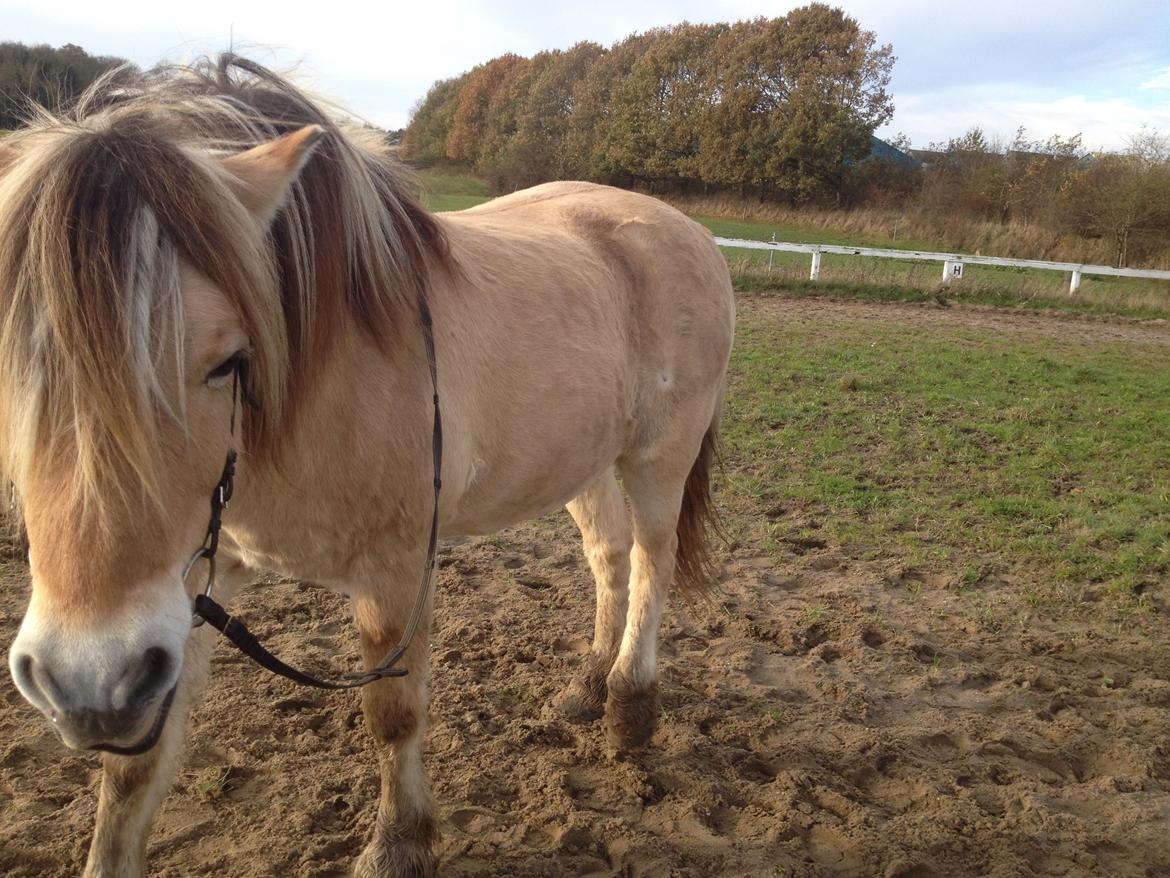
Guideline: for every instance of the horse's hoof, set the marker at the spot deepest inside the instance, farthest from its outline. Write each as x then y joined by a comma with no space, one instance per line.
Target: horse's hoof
631,714
398,859
583,699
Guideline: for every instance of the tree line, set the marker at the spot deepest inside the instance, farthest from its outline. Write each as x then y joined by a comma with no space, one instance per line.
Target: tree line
1120,199
780,111
769,107
50,77
771,110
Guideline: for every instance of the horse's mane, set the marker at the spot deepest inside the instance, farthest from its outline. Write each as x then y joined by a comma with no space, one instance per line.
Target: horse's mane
98,203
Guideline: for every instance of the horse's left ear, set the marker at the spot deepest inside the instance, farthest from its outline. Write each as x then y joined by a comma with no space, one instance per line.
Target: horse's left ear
261,177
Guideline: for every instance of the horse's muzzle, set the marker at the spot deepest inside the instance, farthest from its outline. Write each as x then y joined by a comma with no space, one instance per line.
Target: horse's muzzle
115,717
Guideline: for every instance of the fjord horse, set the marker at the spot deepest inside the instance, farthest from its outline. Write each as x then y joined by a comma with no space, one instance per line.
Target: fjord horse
201,259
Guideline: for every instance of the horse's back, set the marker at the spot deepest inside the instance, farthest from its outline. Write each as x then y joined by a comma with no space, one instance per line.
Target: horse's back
662,259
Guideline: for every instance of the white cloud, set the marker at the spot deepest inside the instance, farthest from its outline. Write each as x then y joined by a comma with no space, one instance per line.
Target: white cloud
380,58
1102,123
1160,80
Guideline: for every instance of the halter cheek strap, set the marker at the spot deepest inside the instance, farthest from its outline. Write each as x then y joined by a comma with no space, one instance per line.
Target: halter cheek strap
207,609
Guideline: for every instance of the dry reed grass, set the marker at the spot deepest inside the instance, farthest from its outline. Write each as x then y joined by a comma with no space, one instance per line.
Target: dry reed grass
956,233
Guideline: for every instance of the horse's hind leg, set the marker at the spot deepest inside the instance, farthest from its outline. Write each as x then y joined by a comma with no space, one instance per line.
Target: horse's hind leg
601,514
405,833
655,481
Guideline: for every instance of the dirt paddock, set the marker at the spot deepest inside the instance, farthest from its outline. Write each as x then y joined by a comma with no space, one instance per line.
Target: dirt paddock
830,716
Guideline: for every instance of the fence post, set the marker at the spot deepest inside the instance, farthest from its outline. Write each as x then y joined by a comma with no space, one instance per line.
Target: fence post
1075,283
815,272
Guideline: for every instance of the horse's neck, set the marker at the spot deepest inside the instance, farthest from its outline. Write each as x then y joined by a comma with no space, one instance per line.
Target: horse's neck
354,462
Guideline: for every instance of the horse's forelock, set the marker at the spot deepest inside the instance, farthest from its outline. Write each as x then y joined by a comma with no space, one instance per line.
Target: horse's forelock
91,314
101,202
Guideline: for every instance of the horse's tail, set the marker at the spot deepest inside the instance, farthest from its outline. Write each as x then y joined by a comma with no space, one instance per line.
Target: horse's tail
694,568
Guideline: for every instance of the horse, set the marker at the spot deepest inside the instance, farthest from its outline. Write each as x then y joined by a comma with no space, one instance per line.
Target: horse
207,259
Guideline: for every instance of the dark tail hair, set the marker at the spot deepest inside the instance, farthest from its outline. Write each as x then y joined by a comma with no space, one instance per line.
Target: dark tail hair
694,568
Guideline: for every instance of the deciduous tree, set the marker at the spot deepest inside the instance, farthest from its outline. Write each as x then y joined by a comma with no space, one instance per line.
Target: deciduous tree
478,98
798,99
661,106
425,139
46,76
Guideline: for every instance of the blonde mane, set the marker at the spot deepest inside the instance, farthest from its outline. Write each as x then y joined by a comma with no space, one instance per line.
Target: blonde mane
97,205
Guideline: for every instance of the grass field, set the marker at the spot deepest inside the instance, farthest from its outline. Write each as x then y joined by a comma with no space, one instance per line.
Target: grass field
956,446
452,188
445,189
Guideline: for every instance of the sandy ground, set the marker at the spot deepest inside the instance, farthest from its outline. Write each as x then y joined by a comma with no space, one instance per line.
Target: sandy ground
831,717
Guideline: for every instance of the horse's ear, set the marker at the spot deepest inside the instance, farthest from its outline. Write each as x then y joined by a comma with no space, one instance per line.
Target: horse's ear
261,177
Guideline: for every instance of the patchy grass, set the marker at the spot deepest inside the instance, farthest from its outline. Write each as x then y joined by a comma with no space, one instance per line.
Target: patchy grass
446,188
211,783
953,449
752,230
444,203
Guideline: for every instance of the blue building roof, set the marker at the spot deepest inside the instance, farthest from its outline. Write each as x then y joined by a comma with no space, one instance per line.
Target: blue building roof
879,149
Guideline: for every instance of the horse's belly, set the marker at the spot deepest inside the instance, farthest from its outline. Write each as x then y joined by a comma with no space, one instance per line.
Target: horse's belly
538,475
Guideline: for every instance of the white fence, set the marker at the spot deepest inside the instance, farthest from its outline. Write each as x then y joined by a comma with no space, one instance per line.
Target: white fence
952,262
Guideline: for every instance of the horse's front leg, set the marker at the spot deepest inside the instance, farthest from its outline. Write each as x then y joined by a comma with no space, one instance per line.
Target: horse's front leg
134,786
405,833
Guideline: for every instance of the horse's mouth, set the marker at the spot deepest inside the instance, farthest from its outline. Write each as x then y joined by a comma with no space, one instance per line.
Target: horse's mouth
150,738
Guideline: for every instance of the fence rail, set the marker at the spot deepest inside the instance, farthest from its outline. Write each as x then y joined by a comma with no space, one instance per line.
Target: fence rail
952,262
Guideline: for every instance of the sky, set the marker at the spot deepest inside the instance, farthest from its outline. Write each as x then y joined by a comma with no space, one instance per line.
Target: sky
1056,68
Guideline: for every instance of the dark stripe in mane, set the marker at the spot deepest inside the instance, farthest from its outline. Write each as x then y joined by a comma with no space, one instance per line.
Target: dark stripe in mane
332,188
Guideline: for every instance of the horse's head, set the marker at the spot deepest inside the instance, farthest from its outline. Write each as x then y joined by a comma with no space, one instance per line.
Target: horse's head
136,285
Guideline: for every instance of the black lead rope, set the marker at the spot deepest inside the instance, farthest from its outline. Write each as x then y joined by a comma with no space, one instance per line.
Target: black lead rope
208,609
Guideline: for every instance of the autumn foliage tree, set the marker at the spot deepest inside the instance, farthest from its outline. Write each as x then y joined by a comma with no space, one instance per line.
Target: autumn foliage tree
659,108
593,105
480,102
536,151
775,107
800,98
425,140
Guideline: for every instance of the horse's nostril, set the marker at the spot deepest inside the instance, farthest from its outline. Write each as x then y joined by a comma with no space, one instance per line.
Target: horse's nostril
150,676
22,672
37,684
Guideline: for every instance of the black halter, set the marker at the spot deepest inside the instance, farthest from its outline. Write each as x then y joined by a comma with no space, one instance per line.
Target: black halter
206,608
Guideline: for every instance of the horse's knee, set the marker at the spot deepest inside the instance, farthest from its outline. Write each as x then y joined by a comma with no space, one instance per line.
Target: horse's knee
391,718
609,560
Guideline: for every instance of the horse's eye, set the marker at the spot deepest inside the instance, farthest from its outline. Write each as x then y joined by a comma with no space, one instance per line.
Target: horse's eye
225,369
